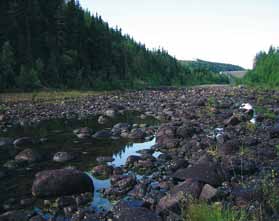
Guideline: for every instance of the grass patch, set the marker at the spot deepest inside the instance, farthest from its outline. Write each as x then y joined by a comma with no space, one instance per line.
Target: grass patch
46,96
201,211
265,112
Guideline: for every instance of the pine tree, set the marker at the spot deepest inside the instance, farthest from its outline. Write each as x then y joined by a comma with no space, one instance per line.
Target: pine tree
7,64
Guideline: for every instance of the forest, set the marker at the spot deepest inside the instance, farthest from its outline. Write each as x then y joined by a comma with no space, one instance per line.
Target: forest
56,44
215,67
266,69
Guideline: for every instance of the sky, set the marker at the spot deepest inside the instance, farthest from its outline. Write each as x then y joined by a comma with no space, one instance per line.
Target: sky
229,31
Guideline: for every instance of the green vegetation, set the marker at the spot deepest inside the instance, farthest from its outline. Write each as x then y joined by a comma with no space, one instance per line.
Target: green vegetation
266,69
201,211
211,66
57,44
265,112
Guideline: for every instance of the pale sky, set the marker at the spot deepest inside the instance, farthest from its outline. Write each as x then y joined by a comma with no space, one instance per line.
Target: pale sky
230,31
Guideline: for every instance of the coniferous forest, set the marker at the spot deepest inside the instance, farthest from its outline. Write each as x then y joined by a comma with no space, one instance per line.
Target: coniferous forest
266,69
57,44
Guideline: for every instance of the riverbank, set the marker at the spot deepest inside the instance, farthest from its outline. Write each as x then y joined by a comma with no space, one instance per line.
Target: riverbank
214,144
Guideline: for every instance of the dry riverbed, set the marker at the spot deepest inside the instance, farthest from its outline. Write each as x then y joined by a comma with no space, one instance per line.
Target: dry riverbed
139,155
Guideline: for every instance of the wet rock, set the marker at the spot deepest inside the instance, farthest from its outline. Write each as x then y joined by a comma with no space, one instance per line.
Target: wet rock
29,155
62,157
137,133
131,160
208,192
110,113
183,191
17,215
102,171
5,141
23,141
103,119
102,134
120,186
83,132
61,182
206,173
104,159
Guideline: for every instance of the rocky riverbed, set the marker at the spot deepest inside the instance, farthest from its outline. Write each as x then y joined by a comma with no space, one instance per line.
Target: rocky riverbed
141,155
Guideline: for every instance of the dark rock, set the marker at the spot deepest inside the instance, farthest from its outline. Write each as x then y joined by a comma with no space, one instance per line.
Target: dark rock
104,159
233,120
206,173
128,213
182,192
5,141
137,133
62,157
61,182
110,113
103,119
131,160
102,171
15,216
29,155
102,134
13,164
229,147
186,130
24,141
208,192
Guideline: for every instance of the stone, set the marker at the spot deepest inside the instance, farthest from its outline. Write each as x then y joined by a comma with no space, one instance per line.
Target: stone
110,113
137,133
102,134
29,155
61,182
103,119
62,157
208,192
24,141
182,192
104,159
206,173
102,171
233,120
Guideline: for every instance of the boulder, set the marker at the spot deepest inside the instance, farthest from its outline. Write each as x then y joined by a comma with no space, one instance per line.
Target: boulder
110,113
29,155
23,141
184,191
62,157
102,134
206,173
208,192
103,119
61,182
233,120
102,171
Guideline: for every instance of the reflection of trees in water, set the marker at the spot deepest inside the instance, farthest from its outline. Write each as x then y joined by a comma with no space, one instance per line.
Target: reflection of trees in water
123,149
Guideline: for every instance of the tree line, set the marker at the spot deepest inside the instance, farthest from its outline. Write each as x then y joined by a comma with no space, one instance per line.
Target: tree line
58,44
266,69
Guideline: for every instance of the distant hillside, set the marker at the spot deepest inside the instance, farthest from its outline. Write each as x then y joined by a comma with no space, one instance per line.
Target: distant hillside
211,66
